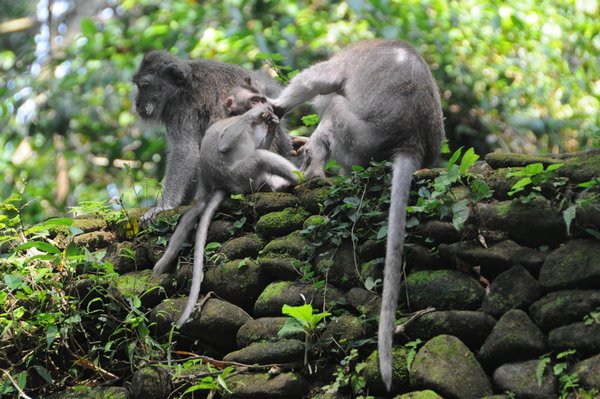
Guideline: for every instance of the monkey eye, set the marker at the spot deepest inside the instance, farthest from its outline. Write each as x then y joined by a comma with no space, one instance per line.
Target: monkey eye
257,99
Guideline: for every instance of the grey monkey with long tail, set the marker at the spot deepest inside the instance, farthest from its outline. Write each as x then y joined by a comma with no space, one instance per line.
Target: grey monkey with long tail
377,100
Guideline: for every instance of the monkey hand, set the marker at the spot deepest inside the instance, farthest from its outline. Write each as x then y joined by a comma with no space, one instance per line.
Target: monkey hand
277,109
267,115
299,145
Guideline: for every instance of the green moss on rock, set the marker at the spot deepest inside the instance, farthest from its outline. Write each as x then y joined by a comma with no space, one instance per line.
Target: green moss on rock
282,222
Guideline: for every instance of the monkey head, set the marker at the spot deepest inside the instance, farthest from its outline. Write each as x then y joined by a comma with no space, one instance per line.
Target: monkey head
160,76
245,97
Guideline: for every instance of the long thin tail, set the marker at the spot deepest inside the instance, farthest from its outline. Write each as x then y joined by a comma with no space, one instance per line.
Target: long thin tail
403,168
186,224
197,271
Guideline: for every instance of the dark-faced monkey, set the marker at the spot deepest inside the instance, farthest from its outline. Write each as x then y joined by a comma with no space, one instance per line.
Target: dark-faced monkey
377,100
234,158
187,97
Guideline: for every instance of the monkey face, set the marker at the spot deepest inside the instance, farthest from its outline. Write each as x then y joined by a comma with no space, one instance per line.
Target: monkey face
149,100
159,78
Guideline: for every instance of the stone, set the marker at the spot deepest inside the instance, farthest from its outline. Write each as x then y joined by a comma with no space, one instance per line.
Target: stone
583,167
339,267
471,327
520,379
438,231
493,260
564,307
280,223
504,160
266,202
513,289
400,376
219,230
239,281
262,329
574,265
585,339
95,240
588,371
514,338
81,392
282,293
151,290
278,352
216,323
293,245
442,289
344,328
445,365
262,385
419,258
312,194
151,382
426,394
246,246
363,301
536,223
122,256
281,267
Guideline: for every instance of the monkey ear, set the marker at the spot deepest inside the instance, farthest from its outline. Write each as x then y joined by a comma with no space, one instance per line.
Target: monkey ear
176,72
229,104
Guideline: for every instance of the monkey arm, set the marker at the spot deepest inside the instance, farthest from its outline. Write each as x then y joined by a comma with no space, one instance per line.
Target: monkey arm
181,179
322,78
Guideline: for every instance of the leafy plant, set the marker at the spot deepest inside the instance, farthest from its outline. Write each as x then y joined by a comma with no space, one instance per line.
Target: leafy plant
568,381
439,198
349,375
532,177
592,317
302,319
587,198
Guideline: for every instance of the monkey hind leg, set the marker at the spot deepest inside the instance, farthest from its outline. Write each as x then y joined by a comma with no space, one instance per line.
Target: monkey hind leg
317,149
258,168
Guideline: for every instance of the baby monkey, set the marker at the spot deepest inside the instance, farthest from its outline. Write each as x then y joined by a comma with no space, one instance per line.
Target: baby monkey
234,158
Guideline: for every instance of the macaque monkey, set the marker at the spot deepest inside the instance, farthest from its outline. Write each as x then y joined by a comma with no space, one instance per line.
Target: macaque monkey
234,158
377,100
187,97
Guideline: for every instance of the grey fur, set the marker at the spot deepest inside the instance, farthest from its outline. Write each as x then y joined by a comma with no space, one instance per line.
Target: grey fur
187,97
233,159
377,100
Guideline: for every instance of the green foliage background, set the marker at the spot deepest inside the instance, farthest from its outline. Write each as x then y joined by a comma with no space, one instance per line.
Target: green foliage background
518,76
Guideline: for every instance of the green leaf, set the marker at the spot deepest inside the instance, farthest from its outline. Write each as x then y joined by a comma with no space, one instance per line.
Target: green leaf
301,313
518,186
310,120
88,27
460,214
568,216
541,367
42,246
291,326
382,232
479,190
553,166
534,169
13,281
468,160
42,372
454,158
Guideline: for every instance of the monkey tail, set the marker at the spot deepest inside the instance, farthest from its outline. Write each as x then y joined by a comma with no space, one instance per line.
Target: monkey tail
404,166
186,224
197,270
